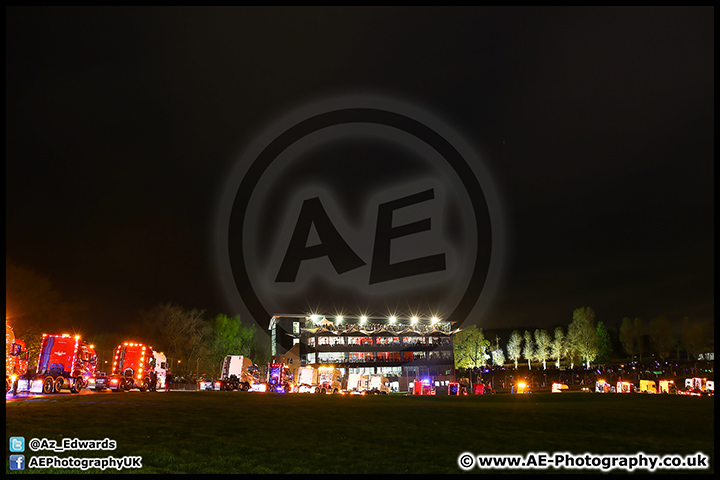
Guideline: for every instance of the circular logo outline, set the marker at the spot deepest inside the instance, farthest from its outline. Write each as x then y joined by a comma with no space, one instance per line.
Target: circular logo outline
376,110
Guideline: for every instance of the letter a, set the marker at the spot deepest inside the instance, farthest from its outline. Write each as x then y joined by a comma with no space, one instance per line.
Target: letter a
332,244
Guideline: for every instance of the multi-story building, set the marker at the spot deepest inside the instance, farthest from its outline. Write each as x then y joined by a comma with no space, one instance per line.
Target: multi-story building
402,349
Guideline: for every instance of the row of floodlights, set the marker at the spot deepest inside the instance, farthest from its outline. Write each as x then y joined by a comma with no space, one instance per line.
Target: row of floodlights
364,319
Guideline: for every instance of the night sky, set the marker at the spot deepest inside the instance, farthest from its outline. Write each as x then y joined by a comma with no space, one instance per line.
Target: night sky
596,124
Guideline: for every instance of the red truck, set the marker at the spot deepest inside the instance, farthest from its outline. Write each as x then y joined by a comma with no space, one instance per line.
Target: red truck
16,359
133,367
65,362
423,387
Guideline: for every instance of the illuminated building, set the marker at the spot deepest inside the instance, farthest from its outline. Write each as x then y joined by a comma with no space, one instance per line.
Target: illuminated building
401,349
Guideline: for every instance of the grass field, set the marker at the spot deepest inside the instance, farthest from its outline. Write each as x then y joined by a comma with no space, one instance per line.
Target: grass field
234,432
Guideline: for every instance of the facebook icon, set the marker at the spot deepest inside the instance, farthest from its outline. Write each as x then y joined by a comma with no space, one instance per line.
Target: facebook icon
17,462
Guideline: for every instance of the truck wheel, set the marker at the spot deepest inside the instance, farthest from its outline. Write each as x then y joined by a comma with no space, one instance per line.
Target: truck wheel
77,385
121,385
145,386
48,385
58,385
335,390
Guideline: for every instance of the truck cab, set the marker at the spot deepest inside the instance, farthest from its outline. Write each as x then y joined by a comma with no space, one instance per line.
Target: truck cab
16,359
279,378
134,367
237,373
307,380
329,380
65,362
378,384
423,387
357,384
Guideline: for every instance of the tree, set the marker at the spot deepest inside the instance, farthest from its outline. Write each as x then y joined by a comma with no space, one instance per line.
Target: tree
694,337
498,357
639,331
582,334
661,336
542,346
184,334
557,346
628,339
32,301
34,306
514,347
604,344
230,337
529,349
469,347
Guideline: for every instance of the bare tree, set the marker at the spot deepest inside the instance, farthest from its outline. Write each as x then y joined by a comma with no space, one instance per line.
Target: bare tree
32,302
694,337
639,331
661,336
628,339
183,334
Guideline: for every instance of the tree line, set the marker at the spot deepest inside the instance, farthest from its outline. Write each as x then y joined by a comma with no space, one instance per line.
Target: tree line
584,341
192,340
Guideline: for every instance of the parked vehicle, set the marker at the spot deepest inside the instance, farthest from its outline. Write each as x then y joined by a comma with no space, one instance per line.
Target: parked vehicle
329,380
161,374
135,366
558,387
66,362
279,378
648,386
601,386
423,387
667,386
456,389
625,387
211,385
16,359
237,373
307,380
482,388
698,386
357,384
378,384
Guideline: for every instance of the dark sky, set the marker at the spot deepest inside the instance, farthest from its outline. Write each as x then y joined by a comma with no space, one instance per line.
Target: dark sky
596,123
